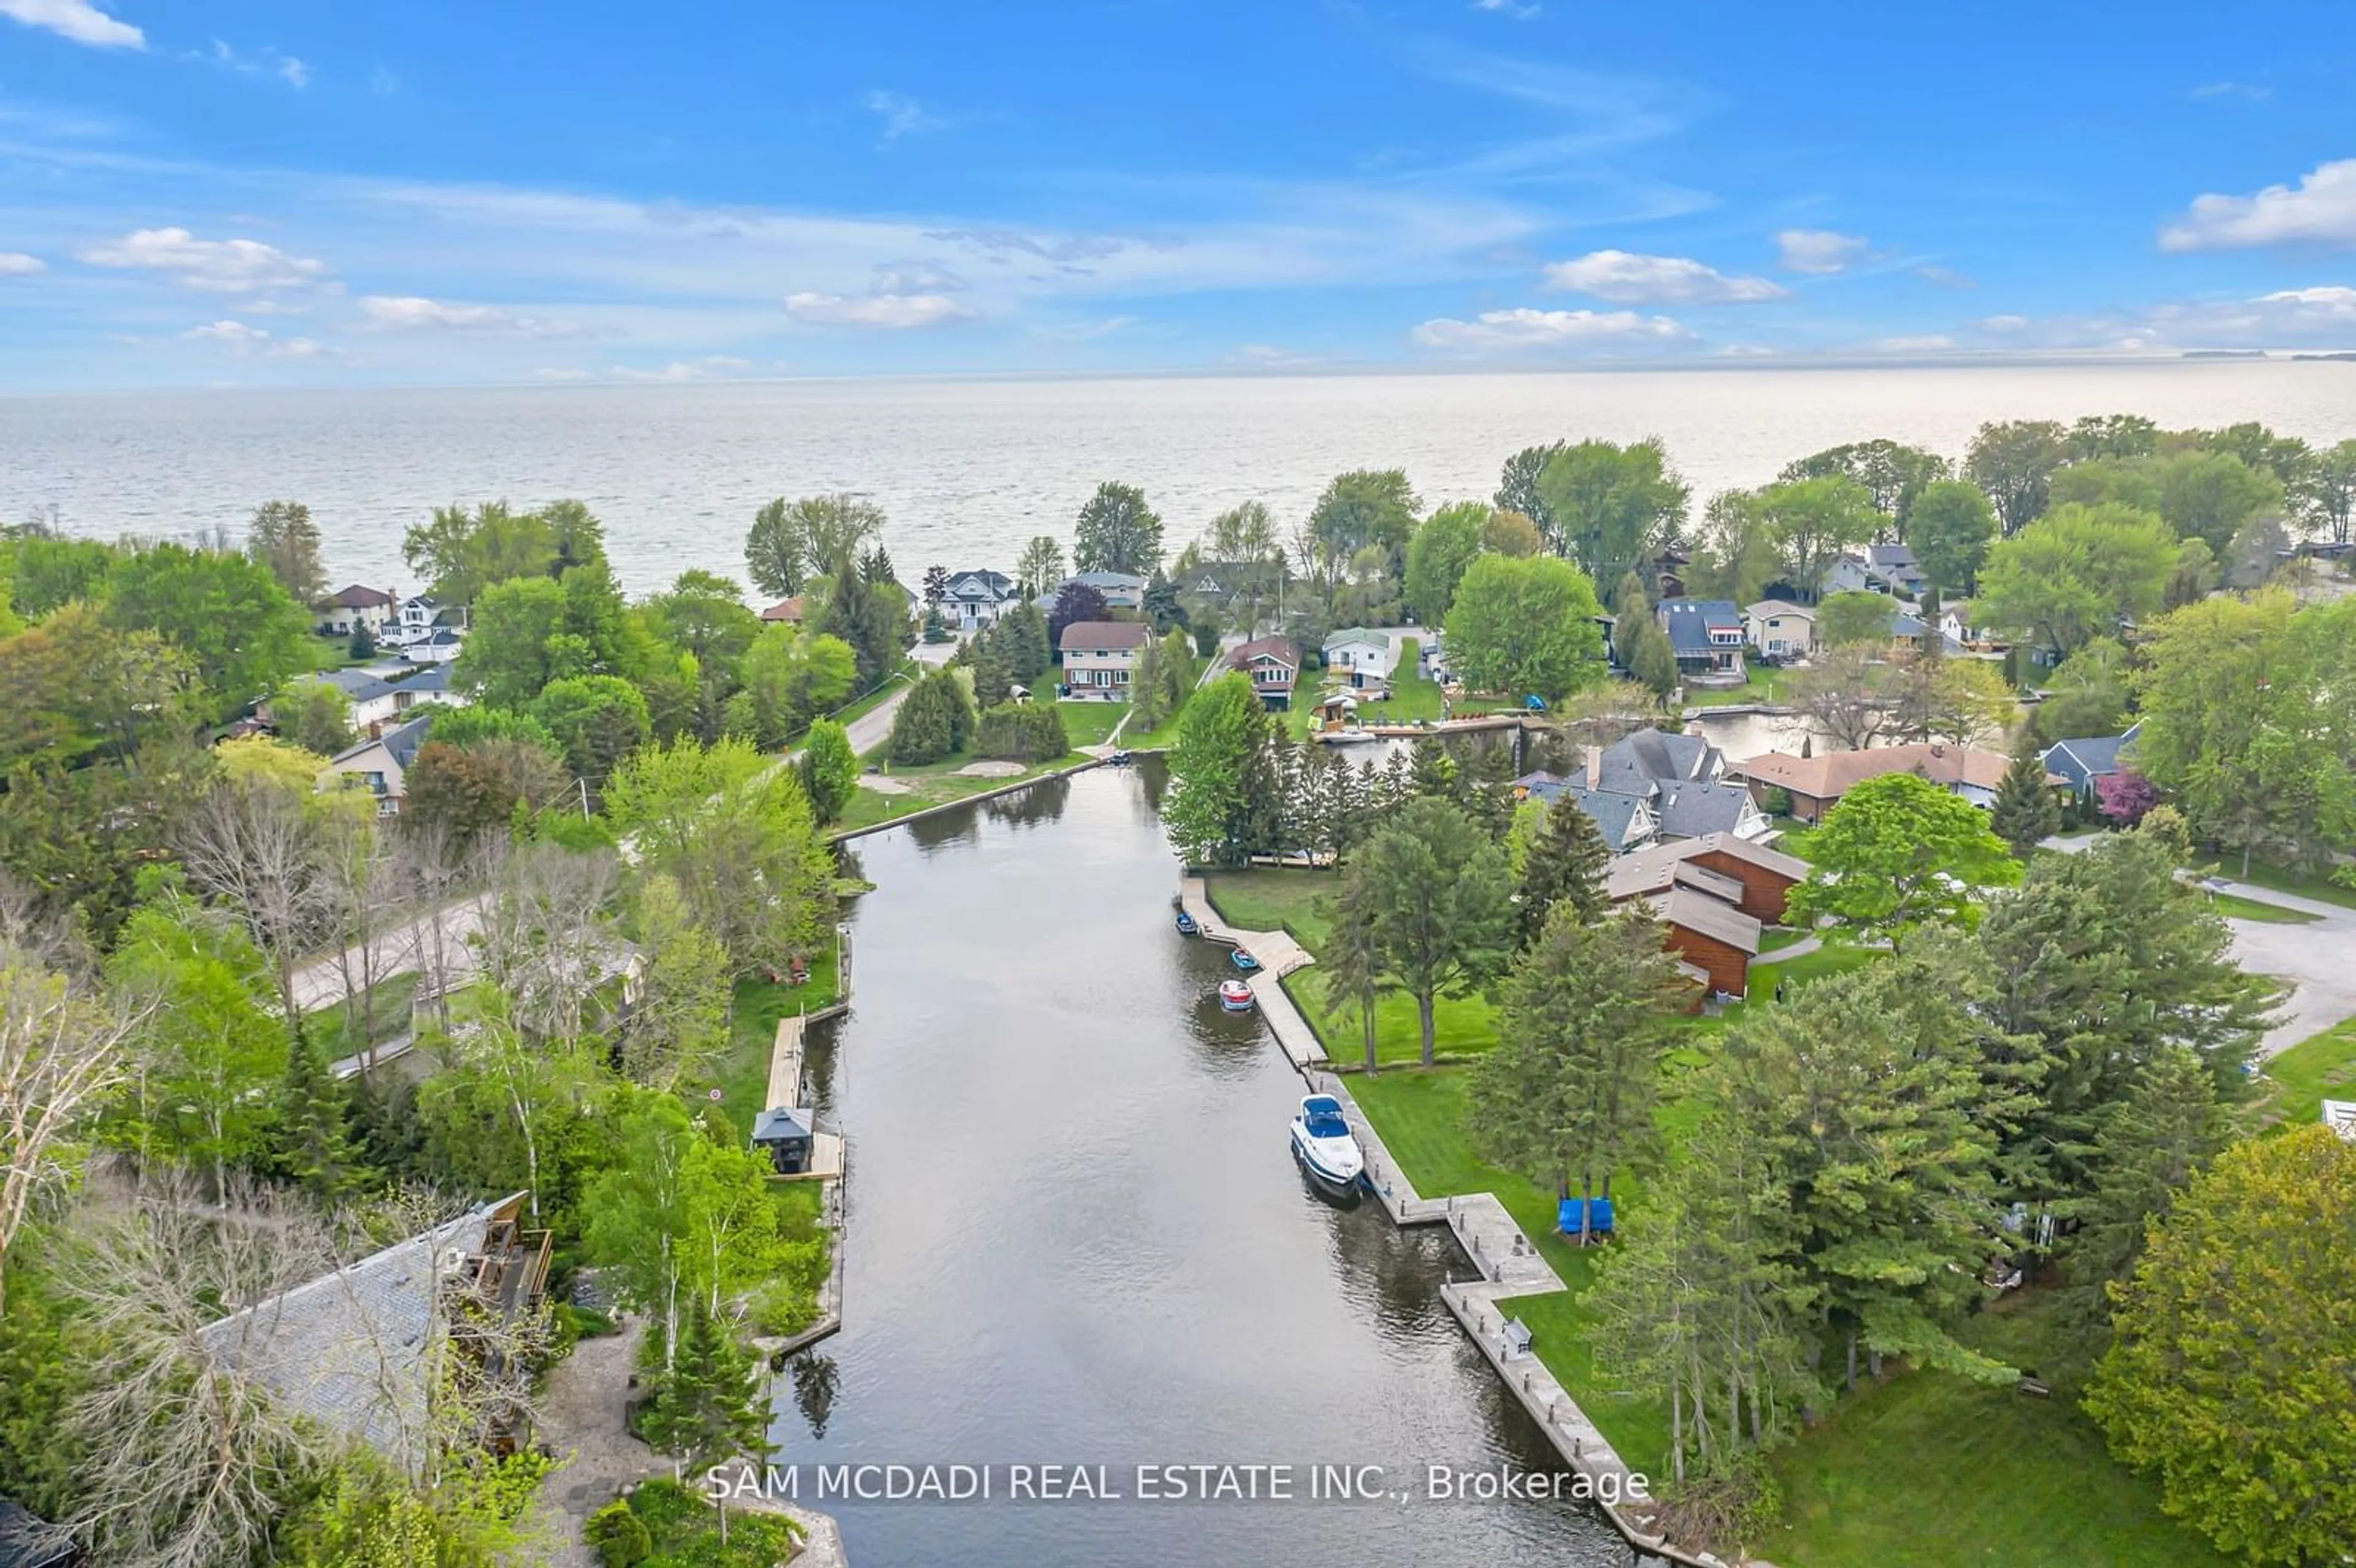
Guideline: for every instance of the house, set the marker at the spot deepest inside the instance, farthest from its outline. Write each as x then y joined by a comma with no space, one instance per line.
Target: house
425,616
1781,630
361,1352
438,646
1955,621
1121,590
1224,585
1751,877
29,1541
1654,785
787,612
1908,632
380,764
1815,785
1362,657
1274,666
373,699
1625,820
430,684
341,615
976,599
2339,1115
1099,657
1705,635
1878,569
2080,764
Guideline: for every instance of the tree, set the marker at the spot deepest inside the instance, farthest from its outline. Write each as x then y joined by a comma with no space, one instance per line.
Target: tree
313,1140
1076,604
706,1408
934,721
2152,1144
1809,522
1855,617
1518,490
1849,694
2246,1414
598,719
792,541
1362,510
679,1023
315,715
830,769
2125,797
2014,462
1441,547
1894,474
1965,701
1524,625
936,584
63,1050
461,553
2210,495
1442,905
2111,435
1568,858
2026,813
1567,1095
518,644
230,617
705,614
1350,966
1117,532
1209,811
1511,533
1652,663
2324,492
259,845
1898,852
2090,694
285,540
1606,507
868,611
473,790
1735,556
1040,567
1630,608
1027,732
2075,574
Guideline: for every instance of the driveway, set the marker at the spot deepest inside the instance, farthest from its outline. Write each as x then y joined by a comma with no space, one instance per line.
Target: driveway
873,728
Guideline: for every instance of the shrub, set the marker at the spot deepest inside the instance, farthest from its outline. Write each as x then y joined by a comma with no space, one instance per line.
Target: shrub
936,719
619,1537
1028,732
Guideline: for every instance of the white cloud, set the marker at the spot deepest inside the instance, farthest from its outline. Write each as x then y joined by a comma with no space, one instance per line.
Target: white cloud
1520,10
77,19
16,264
1818,251
1528,328
903,116
2333,300
1925,343
547,375
2248,92
1624,277
892,312
1746,351
240,338
1271,356
2321,210
412,312
294,72
1946,277
703,370
219,266
2004,323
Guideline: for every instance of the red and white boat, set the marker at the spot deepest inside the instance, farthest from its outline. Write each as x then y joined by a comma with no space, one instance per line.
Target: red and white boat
1235,996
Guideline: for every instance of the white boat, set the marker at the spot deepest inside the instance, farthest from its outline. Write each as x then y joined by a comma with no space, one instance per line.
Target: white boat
1235,996
1321,1142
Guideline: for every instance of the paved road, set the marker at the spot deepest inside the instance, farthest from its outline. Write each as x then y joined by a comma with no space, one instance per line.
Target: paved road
873,728
2318,958
320,982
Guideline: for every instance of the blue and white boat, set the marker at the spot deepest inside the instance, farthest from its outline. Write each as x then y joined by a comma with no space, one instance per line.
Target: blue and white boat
1186,926
1243,961
1323,1144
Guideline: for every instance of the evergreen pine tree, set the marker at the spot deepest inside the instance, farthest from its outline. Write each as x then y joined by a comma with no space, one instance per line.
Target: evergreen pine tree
2026,812
2152,1145
314,1117
1435,772
707,1408
1566,864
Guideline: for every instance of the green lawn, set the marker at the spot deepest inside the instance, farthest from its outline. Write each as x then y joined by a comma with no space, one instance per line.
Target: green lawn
1759,685
2232,906
2297,1082
1091,723
742,1075
2281,879
1934,1471
338,1035
940,783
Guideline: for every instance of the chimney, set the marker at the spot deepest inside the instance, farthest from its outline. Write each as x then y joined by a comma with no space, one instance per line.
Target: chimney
1594,765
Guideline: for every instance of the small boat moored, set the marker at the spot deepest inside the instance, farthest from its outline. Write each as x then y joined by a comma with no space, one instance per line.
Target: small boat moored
1235,996
1243,961
1187,926
1323,1144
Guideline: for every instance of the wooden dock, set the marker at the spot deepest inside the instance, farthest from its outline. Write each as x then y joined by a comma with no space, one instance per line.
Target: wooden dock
1278,955
786,1064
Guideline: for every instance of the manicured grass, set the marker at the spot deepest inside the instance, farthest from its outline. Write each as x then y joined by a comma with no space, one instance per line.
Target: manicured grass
1759,685
1778,936
338,1034
742,1076
2297,1082
2281,879
940,783
1091,723
2232,906
1934,1471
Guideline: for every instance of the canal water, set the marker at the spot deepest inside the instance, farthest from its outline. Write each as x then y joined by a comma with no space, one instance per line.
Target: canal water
1076,1238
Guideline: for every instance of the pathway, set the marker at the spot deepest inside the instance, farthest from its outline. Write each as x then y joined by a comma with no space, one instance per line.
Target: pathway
1278,955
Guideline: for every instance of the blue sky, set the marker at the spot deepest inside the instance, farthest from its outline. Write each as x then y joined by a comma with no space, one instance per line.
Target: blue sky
282,192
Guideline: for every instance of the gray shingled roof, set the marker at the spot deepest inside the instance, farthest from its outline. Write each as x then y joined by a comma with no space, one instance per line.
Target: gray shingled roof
1690,620
1654,756
1692,809
2087,758
1614,811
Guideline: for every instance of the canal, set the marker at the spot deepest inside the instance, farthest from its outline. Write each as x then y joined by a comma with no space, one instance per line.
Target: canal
1077,1236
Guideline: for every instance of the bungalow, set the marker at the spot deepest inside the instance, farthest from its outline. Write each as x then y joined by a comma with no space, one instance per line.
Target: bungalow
1781,630
1121,590
380,764
361,1352
1274,666
2081,763
1815,785
1098,657
976,599
1705,635
373,698
1362,656
341,615
785,612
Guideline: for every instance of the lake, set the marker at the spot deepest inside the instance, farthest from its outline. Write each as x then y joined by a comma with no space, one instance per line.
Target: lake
969,470
1077,1236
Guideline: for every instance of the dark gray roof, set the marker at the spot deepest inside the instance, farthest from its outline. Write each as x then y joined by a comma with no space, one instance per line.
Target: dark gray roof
358,685
1652,757
779,1123
404,741
1902,624
1694,808
1690,620
2090,758
980,584
432,677
1616,812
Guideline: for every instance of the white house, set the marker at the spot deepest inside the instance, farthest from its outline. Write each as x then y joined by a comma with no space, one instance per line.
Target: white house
976,599
1121,590
1363,656
439,645
424,617
372,698
343,614
378,765
1099,657
1781,630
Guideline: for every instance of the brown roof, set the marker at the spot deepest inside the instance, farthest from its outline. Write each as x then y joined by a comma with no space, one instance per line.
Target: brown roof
1283,650
784,610
1834,774
1711,917
1632,876
357,597
1084,634
1651,868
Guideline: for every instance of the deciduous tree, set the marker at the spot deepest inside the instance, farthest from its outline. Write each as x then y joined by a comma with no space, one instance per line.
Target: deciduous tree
1809,522
1117,532
2075,574
1607,508
792,541
285,541
2014,462
1442,905
830,769
1526,625
1898,852
1854,616
1209,812
1040,567
1441,547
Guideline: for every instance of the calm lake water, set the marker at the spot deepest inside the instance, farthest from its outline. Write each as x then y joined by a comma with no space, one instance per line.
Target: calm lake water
968,470
1077,1236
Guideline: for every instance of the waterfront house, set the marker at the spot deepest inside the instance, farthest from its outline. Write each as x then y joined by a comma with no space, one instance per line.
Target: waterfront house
359,1354
1781,630
1099,658
1909,634
1121,590
342,614
370,697
1625,820
1654,785
1955,621
1877,569
976,599
424,617
1713,939
438,646
2081,764
1756,879
1816,784
1274,666
430,684
1360,657
379,764
1706,636
785,612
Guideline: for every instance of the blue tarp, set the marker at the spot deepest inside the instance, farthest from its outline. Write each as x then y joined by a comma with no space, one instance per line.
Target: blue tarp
1568,1215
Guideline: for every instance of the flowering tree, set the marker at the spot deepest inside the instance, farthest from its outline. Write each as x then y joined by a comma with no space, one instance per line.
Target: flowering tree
2123,797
